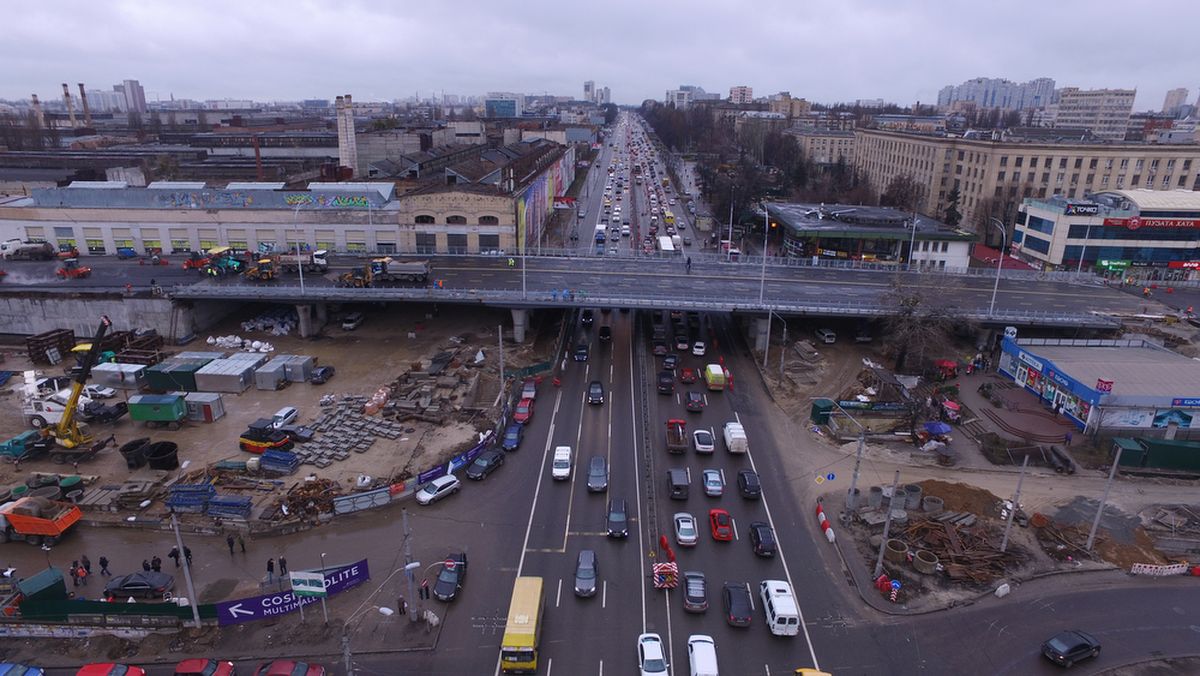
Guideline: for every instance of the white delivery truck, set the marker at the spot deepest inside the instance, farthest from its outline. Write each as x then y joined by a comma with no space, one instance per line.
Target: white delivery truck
735,438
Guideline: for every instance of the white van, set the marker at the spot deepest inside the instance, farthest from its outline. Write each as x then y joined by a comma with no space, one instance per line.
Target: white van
826,336
735,438
284,416
702,655
779,605
560,467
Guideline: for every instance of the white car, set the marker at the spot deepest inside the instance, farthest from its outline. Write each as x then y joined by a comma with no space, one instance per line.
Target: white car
685,530
98,392
699,348
652,659
437,489
703,441
714,483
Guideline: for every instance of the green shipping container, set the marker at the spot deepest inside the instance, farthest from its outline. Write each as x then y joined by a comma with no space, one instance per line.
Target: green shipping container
157,407
174,375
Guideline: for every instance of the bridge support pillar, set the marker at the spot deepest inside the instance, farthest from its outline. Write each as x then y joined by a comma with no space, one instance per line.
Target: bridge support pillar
305,321
322,314
762,333
520,323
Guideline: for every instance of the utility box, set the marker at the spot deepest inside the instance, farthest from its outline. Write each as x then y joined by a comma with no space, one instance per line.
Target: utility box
204,406
821,410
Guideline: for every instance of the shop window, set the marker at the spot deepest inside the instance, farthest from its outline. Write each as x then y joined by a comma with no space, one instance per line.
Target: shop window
386,247
327,246
426,243
206,244
489,243
456,243
356,247
96,246
123,243
152,246
456,220
238,244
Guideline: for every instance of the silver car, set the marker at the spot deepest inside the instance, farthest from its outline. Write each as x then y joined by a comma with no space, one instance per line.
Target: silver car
685,530
714,483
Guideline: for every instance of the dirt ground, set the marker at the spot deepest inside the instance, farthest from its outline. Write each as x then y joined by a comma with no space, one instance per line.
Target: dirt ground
384,347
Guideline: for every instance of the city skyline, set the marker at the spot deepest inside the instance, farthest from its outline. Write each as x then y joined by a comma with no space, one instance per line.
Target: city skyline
232,50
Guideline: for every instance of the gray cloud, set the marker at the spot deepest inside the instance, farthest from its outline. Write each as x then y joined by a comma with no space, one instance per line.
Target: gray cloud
834,51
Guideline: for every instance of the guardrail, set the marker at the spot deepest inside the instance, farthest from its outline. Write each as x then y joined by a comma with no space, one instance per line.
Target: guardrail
647,300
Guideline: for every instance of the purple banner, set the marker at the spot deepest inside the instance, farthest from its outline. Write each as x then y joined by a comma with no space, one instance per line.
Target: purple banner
262,607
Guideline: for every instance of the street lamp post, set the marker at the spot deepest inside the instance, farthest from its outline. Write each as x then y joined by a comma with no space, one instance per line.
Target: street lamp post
1087,235
999,264
762,280
299,260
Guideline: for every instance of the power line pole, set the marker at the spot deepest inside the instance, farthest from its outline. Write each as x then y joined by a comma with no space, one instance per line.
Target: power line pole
412,606
887,525
1103,501
1015,501
187,571
500,341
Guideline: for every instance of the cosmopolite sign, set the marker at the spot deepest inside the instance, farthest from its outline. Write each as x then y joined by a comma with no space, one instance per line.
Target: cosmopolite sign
280,603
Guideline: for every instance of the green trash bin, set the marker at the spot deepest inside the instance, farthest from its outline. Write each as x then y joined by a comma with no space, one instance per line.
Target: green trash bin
821,410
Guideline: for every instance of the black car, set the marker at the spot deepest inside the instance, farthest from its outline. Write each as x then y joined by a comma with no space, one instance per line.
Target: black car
587,317
596,392
450,579
762,538
670,362
695,592
1068,647
512,437
597,474
739,607
146,584
587,572
748,485
666,382
617,525
484,464
581,352
694,402
605,333
321,375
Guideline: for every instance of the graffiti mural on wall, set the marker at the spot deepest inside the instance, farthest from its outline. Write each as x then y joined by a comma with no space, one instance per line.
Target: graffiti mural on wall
537,202
328,201
205,200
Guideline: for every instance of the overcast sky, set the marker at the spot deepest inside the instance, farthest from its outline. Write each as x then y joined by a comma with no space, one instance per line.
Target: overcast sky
382,50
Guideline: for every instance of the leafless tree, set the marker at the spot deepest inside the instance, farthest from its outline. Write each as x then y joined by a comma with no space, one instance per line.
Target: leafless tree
921,324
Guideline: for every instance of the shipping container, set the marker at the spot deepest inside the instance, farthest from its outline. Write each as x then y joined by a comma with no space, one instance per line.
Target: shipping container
174,374
270,376
157,408
204,406
119,376
299,368
225,375
195,354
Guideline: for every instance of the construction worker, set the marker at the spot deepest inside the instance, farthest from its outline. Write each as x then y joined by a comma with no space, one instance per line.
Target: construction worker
512,262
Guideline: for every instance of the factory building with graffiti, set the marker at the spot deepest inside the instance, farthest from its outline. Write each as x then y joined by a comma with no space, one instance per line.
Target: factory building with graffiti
500,200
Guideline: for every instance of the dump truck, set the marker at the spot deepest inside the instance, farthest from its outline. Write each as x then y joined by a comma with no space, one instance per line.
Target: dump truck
310,261
35,251
391,270
37,520
677,441
196,261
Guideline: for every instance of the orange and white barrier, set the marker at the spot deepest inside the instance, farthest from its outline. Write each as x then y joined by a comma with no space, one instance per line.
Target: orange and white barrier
825,527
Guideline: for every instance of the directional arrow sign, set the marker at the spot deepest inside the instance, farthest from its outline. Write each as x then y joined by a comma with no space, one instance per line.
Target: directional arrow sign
280,603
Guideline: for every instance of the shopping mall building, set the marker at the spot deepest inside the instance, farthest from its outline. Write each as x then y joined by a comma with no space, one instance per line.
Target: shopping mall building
1147,233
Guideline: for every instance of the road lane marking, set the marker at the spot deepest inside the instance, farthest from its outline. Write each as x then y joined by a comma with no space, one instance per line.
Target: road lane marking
604,598
733,524
637,483
575,455
601,667
537,489
549,665
558,596
670,634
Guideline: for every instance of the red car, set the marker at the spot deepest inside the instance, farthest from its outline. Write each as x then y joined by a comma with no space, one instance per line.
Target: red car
722,525
524,411
109,669
205,667
687,376
290,668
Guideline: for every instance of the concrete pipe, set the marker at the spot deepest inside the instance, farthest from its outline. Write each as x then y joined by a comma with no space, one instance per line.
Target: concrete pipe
875,496
925,562
912,499
896,551
899,516
932,504
853,499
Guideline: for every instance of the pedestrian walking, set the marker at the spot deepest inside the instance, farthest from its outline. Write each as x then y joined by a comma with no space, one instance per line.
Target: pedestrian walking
1067,439
229,541
74,573
104,566
82,576
241,543
146,565
156,564
282,566
270,570
86,563
187,554
174,555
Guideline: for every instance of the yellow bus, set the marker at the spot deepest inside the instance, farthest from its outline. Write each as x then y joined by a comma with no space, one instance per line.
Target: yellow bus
668,218
519,649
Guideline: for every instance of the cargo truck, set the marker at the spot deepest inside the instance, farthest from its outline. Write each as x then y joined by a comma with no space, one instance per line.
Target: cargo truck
15,249
311,261
37,520
391,270
677,441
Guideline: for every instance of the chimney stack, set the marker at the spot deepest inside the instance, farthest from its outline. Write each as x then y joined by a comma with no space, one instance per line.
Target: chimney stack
87,112
37,112
347,143
70,105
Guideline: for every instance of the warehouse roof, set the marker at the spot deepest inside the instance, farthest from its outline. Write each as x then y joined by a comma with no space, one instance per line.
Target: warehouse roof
1135,371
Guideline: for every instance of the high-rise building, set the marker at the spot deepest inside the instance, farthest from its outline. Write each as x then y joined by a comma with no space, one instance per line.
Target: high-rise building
589,91
604,96
990,92
503,104
1174,100
741,94
134,95
1103,111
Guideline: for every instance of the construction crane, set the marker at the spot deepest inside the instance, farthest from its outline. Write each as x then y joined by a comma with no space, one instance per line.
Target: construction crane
69,433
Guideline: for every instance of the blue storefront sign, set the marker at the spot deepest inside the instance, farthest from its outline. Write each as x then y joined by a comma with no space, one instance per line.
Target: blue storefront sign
261,607
1188,402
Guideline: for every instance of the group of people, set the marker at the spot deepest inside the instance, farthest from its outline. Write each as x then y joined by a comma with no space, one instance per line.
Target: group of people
81,570
155,564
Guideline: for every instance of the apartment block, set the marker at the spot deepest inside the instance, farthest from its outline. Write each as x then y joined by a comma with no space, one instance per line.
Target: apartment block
741,94
994,176
1104,111
825,146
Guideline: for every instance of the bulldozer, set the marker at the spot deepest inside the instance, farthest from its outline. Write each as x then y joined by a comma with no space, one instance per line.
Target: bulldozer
264,270
356,279
71,269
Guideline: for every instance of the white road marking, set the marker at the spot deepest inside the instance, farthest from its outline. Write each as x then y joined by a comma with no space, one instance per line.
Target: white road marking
601,667
574,470
536,491
750,593
558,596
604,594
670,634
637,487
549,665
733,524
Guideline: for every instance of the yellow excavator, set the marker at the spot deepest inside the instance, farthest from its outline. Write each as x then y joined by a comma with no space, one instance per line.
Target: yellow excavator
68,432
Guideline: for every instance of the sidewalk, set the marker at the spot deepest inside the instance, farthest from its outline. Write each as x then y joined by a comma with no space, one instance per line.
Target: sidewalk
1023,417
